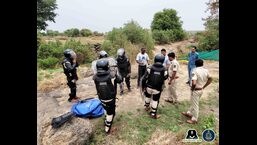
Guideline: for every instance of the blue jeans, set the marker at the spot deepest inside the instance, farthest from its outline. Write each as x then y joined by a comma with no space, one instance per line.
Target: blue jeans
190,68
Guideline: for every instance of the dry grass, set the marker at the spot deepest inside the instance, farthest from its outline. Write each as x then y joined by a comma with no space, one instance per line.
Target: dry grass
83,40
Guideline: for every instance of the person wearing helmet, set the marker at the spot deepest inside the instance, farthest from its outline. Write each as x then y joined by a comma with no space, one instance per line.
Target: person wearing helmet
70,70
152,83
124,68
105,91
103,54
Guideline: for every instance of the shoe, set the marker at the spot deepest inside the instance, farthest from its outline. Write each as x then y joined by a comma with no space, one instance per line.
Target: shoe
154,116
147,108
191,121
76,98
187,82
187,115
175,103
167,100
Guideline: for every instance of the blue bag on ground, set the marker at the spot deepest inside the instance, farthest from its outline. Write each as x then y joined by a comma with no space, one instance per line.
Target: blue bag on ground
88,108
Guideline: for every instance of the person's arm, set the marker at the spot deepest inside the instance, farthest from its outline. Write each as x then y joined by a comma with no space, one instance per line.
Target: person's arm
197,56
193,85
137,58
129,67
172,77
194,78
70,67
208,82
174,72
144,79
167,63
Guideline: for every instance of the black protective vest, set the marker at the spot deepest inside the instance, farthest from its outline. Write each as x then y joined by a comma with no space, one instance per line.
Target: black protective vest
156,77
104,86
123,65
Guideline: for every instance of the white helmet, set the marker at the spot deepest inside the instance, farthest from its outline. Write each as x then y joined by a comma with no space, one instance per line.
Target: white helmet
103,54
121,52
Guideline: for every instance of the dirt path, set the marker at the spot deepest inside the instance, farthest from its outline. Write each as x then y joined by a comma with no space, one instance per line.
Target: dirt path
52,102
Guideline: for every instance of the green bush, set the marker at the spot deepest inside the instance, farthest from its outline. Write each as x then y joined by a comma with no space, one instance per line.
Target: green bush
85,32
74,32
84,53
49,62
161,36
131,36
208,40
51,53
49,49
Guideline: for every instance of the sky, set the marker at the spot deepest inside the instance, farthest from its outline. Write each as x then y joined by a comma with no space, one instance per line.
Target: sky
104,15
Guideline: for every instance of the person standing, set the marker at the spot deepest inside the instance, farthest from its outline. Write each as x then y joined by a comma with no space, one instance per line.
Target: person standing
192,57
70,70
166,62
106,91
173,76
124,68
200,80
152,83
142,60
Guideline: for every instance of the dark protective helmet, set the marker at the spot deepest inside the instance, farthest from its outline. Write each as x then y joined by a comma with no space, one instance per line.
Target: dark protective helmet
103,54
159,58
68,53
102,65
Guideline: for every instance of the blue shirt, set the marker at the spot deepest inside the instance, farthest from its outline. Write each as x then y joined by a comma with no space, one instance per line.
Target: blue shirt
192,57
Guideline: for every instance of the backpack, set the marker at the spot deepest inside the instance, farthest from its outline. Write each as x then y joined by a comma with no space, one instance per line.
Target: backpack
88,108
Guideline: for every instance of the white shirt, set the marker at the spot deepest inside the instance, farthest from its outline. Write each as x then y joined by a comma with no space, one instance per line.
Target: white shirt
201,76
166,61
142,58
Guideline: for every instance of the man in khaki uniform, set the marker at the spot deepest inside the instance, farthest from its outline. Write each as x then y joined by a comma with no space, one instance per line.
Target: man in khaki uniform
173,75
200,79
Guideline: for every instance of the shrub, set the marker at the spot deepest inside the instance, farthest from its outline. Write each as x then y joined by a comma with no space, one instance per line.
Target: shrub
49,62
85,32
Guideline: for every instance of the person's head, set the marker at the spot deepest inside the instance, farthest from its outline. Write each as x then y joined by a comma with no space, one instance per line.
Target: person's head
121,53
143,50
69,53
199,63
159,58
103,54
171,56
102,65
163,51
193,49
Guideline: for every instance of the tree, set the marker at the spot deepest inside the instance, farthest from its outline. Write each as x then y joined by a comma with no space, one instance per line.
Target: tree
209,39
167,27
133,32
166,20
45,12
